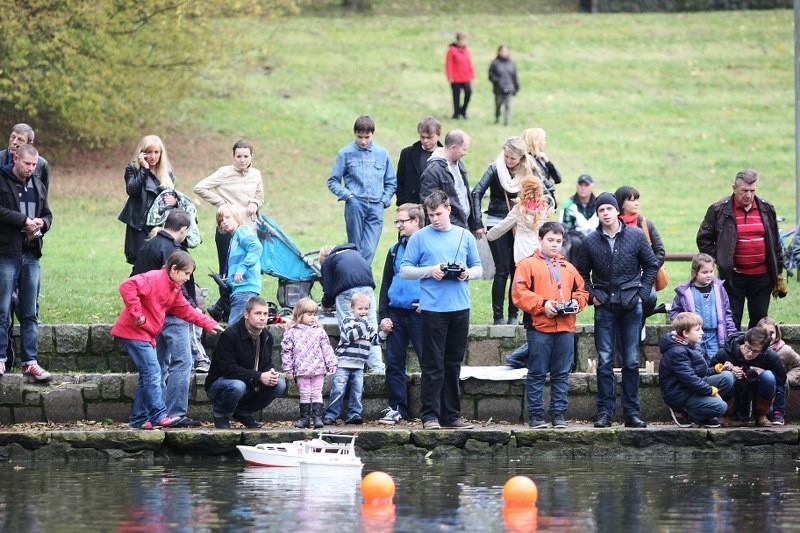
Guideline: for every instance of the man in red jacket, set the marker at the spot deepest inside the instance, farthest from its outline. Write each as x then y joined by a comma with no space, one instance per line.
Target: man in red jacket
458,66
551,292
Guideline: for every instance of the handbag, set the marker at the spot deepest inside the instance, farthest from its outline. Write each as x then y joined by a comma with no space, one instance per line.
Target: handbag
662,278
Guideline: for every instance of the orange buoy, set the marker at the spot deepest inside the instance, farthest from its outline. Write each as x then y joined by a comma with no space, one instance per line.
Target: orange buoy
520,491
377,487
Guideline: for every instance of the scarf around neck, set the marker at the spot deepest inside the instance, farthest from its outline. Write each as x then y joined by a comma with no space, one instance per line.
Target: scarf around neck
630,220
509,183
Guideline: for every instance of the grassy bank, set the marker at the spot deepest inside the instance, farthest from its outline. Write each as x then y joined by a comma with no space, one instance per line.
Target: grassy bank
674,105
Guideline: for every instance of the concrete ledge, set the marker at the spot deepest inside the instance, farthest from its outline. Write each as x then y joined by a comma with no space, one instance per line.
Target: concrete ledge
109,397
490,442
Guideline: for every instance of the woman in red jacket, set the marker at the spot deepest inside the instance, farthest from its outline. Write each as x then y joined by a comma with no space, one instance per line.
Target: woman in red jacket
458,66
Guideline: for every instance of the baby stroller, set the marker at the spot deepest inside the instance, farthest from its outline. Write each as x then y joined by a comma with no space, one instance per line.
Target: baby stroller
280,258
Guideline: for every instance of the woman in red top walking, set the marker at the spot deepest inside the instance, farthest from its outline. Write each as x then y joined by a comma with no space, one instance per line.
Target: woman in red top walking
148,297
458,66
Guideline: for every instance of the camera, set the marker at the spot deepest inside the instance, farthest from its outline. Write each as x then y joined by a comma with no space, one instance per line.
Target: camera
452,270
567,308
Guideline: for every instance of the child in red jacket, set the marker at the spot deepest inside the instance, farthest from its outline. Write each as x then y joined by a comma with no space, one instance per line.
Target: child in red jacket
550,292
148,297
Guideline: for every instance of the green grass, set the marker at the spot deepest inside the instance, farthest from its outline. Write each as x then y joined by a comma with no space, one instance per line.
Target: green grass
673,104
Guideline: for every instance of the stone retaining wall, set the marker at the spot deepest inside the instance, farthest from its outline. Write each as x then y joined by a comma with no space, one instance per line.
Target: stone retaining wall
70,351
515,443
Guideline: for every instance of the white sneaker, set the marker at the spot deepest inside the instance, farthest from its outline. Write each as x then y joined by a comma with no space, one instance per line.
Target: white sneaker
2,367
390,417
36,371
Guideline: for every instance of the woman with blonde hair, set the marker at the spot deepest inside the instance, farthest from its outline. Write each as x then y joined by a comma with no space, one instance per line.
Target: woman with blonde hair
533,209
146,177
536,139
502,180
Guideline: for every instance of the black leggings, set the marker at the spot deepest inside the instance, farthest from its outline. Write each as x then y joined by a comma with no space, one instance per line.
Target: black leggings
503,255
460,109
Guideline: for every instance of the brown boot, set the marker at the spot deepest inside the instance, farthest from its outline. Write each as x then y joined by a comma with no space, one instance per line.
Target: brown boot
730,420
760,410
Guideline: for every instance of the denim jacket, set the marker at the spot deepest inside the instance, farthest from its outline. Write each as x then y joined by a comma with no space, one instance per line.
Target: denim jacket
367,174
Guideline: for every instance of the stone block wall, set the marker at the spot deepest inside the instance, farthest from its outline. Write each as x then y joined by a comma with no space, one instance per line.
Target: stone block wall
679,6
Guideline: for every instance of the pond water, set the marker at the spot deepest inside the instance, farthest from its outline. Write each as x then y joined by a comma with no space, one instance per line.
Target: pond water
599,495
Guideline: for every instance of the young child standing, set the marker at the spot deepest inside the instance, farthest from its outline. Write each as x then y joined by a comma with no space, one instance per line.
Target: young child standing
693,391
705,296
148,297
244,260
354,346
791,362
543,284
307,355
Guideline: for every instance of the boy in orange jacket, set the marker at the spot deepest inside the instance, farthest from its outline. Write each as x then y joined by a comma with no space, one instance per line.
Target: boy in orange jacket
550,291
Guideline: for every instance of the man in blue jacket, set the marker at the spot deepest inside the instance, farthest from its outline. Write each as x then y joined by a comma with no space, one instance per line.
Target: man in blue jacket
363,178
398,309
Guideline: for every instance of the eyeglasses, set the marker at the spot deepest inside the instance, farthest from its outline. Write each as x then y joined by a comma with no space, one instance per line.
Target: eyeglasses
402,221
750,349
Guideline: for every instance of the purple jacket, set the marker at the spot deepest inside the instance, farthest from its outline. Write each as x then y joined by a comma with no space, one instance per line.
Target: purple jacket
684,301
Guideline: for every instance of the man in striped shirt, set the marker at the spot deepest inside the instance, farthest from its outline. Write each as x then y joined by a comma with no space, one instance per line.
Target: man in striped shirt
741,233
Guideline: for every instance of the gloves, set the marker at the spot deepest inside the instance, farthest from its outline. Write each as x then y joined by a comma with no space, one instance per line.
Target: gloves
780,290
714,391
718,368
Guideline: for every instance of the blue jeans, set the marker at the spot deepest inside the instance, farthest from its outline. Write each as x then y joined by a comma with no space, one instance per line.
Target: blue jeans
363,222
375,361
764,387
519,357
173,349
342,379
548,352
780,398
608,324
444,342
238,304
148,403
407,327
21,271
701,408
231,396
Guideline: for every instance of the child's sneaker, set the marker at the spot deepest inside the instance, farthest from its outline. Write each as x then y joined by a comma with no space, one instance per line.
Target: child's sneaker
2,367
35,371
168,421
777,418
147,426
390,417
680,417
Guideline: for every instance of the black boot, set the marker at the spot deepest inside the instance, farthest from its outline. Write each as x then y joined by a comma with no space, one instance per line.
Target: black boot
317,410
248,421
305,416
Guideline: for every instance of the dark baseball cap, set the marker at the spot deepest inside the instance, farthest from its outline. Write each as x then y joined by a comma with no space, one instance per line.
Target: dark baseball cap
585,178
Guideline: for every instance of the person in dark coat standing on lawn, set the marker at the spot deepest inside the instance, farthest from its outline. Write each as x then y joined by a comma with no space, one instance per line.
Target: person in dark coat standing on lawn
503,75
413,160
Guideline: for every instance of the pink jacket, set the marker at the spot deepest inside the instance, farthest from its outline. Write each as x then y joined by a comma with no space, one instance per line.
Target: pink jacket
306,351
152,295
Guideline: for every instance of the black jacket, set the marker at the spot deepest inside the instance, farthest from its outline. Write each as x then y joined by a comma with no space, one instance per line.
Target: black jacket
766,360
718,233
497,195
438,178
234,357
503,75
618,278
344,269
409,170
142,188
153,256
12,221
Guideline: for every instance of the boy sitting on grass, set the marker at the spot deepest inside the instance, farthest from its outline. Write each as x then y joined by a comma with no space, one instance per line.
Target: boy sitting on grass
692,390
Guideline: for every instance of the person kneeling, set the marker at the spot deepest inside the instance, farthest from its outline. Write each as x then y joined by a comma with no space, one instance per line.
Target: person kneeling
241,379
693,391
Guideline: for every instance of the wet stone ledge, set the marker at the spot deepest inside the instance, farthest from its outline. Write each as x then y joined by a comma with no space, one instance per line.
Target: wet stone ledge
483,443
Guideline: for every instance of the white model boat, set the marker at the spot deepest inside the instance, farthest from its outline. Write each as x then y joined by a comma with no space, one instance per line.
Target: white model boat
315,457
286,454
331,459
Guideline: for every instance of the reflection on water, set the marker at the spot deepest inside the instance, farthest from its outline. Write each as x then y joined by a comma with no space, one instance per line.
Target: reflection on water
573,496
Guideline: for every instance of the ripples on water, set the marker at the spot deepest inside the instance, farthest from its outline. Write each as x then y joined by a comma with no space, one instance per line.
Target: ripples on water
600,495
